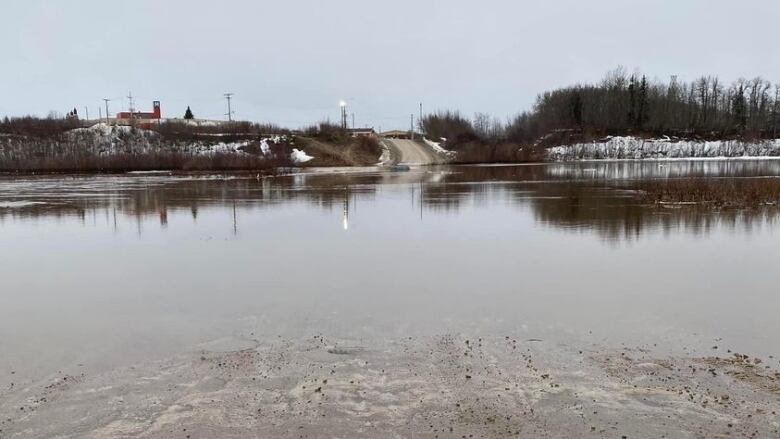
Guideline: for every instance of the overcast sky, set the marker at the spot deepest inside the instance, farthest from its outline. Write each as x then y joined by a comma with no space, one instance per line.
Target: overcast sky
291,61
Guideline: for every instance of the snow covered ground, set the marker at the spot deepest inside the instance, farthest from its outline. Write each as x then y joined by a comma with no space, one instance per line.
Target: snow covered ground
17,204
387,157
436,146
299,156
664,148
105,139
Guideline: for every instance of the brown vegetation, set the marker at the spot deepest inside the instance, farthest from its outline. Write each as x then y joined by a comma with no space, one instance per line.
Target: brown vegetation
140,162
327,132
52,145
37,127
358,151
732,192
228,132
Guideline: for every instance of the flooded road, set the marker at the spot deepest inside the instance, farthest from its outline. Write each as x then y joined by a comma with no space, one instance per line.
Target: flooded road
102,272
99,268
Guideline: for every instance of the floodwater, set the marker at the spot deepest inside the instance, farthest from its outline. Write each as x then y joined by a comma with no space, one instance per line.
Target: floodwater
105,271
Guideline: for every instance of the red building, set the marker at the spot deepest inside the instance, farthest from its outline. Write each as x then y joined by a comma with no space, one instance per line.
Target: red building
155,114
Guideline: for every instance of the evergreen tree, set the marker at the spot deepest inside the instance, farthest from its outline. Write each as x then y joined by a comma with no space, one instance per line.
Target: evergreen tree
188,114
642,111
740,109
632,102
576,108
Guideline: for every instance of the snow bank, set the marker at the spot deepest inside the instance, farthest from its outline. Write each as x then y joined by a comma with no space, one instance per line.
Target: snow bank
264,148
217,148
106,140
665,148
386,158
103,129
299,156
437,147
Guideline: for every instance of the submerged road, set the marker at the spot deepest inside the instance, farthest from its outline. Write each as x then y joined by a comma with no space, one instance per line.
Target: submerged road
412,152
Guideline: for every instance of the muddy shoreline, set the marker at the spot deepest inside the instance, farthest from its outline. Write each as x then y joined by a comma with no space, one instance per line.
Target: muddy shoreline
443,386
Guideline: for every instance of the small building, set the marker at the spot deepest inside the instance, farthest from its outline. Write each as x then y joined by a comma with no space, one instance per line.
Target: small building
361,132
156,114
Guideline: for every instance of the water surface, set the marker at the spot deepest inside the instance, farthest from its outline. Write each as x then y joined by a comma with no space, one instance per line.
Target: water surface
104,271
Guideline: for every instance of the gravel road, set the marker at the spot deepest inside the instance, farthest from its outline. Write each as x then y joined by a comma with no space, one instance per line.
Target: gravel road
411,152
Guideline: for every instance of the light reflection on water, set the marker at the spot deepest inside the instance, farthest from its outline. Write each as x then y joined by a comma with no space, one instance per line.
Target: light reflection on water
583,195
106,270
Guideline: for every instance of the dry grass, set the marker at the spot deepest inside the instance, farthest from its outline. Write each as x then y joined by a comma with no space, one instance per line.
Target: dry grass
506,152
139,162
730,192
361,151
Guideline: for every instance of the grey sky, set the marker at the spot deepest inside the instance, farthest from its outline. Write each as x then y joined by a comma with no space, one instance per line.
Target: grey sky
290,62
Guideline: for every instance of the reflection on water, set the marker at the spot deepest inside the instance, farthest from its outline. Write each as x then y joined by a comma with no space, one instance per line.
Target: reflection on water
575,196
106,270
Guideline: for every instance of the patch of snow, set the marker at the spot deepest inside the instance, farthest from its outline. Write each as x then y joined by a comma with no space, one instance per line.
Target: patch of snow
386,158
437,147
103,129
633,148
264,148
299,156
18,204
197,122
217,148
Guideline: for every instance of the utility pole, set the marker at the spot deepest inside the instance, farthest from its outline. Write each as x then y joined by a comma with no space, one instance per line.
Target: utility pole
353,121
107,114
412,127
420,120
131,103
343,106
100,113
229,114
131,107
86,112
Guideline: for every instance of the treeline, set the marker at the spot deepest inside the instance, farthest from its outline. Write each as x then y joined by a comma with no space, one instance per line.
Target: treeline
327,132
623,104
483,139
38,127
229,131
705,107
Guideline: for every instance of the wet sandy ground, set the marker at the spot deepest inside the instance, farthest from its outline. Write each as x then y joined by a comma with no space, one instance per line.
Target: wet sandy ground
446,386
